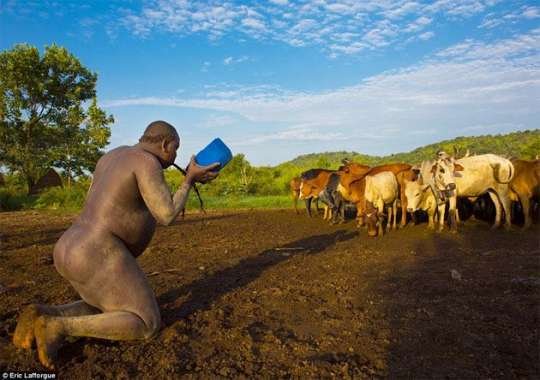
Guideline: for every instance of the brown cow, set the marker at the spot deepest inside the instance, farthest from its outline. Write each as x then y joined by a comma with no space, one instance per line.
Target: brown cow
352,187
525,185
294,184
312,182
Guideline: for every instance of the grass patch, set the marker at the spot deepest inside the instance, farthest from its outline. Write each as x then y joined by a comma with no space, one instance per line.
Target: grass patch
239,202
64,200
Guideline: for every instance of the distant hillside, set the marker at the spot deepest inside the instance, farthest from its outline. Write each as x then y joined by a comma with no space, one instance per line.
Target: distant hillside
523,144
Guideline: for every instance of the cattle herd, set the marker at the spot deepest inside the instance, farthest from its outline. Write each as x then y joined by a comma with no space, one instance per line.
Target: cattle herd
433,187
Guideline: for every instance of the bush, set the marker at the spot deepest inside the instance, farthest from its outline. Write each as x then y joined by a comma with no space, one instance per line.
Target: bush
66,199
12,199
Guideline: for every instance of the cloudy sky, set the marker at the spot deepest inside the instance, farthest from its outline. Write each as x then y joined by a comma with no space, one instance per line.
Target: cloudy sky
279,78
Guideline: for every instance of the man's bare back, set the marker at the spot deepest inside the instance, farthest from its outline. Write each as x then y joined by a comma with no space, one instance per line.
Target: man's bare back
97,253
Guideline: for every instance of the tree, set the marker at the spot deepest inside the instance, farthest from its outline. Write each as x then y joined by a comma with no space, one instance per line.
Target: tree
323,162
48,113
80,146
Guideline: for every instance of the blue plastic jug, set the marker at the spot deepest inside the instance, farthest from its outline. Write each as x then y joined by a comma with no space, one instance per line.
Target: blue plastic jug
216,151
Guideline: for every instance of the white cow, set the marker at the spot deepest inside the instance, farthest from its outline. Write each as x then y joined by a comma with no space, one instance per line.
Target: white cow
472,177
381,190
420,196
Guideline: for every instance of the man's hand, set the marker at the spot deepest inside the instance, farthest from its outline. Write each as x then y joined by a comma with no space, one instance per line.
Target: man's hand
202,174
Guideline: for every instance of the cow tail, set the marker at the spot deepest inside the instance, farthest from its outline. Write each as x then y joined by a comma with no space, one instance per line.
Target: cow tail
497,171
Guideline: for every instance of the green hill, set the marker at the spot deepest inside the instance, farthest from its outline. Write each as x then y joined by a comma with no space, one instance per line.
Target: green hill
523,144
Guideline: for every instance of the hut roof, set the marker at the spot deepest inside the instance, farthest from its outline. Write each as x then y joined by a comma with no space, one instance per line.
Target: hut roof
50,179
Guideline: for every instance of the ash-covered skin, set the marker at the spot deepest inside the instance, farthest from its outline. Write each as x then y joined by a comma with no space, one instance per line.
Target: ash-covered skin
128,196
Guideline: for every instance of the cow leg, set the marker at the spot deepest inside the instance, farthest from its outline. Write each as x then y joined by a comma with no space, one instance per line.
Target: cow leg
442,209
317,205
361,212
335,214
394,210
506,204
342,211
295,201
498,210
388,225
452,211
308,206
431,218
380,210
403,198
526,207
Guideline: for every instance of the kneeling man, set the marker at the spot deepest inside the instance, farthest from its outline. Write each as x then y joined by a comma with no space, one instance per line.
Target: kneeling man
97,253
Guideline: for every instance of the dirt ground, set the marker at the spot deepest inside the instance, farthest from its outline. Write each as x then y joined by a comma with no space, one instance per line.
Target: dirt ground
274,294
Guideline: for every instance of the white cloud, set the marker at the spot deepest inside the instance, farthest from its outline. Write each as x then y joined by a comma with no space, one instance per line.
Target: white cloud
418,24
254,23
214,121
531,12
322,23
466,85
303,132
232,61
280,2
426,36
492,20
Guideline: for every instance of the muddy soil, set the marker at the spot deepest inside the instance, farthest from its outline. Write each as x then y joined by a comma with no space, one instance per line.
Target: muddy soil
273,294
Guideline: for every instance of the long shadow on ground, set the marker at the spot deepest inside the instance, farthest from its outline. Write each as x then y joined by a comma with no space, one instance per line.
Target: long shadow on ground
203,292
466,308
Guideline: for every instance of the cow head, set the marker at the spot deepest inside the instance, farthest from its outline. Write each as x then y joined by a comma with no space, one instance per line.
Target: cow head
444,171
305,190
373,219
414,191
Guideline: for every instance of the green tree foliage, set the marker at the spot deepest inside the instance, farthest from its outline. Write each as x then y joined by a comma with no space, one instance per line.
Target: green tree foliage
48,113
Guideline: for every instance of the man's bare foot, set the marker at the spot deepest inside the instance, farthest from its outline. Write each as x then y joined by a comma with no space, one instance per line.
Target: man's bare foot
24,332
48,333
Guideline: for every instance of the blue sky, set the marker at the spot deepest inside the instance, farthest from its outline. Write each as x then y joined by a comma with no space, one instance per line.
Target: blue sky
279,78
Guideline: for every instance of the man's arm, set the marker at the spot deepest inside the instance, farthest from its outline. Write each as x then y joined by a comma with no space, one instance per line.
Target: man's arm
156,193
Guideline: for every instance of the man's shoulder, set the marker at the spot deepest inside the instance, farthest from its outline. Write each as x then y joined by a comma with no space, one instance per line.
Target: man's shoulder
141,158
133,153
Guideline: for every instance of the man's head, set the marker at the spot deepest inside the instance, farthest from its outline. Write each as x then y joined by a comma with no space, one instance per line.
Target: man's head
163,140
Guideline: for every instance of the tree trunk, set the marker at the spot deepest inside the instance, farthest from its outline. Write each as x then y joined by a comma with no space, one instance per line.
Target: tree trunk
31,182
